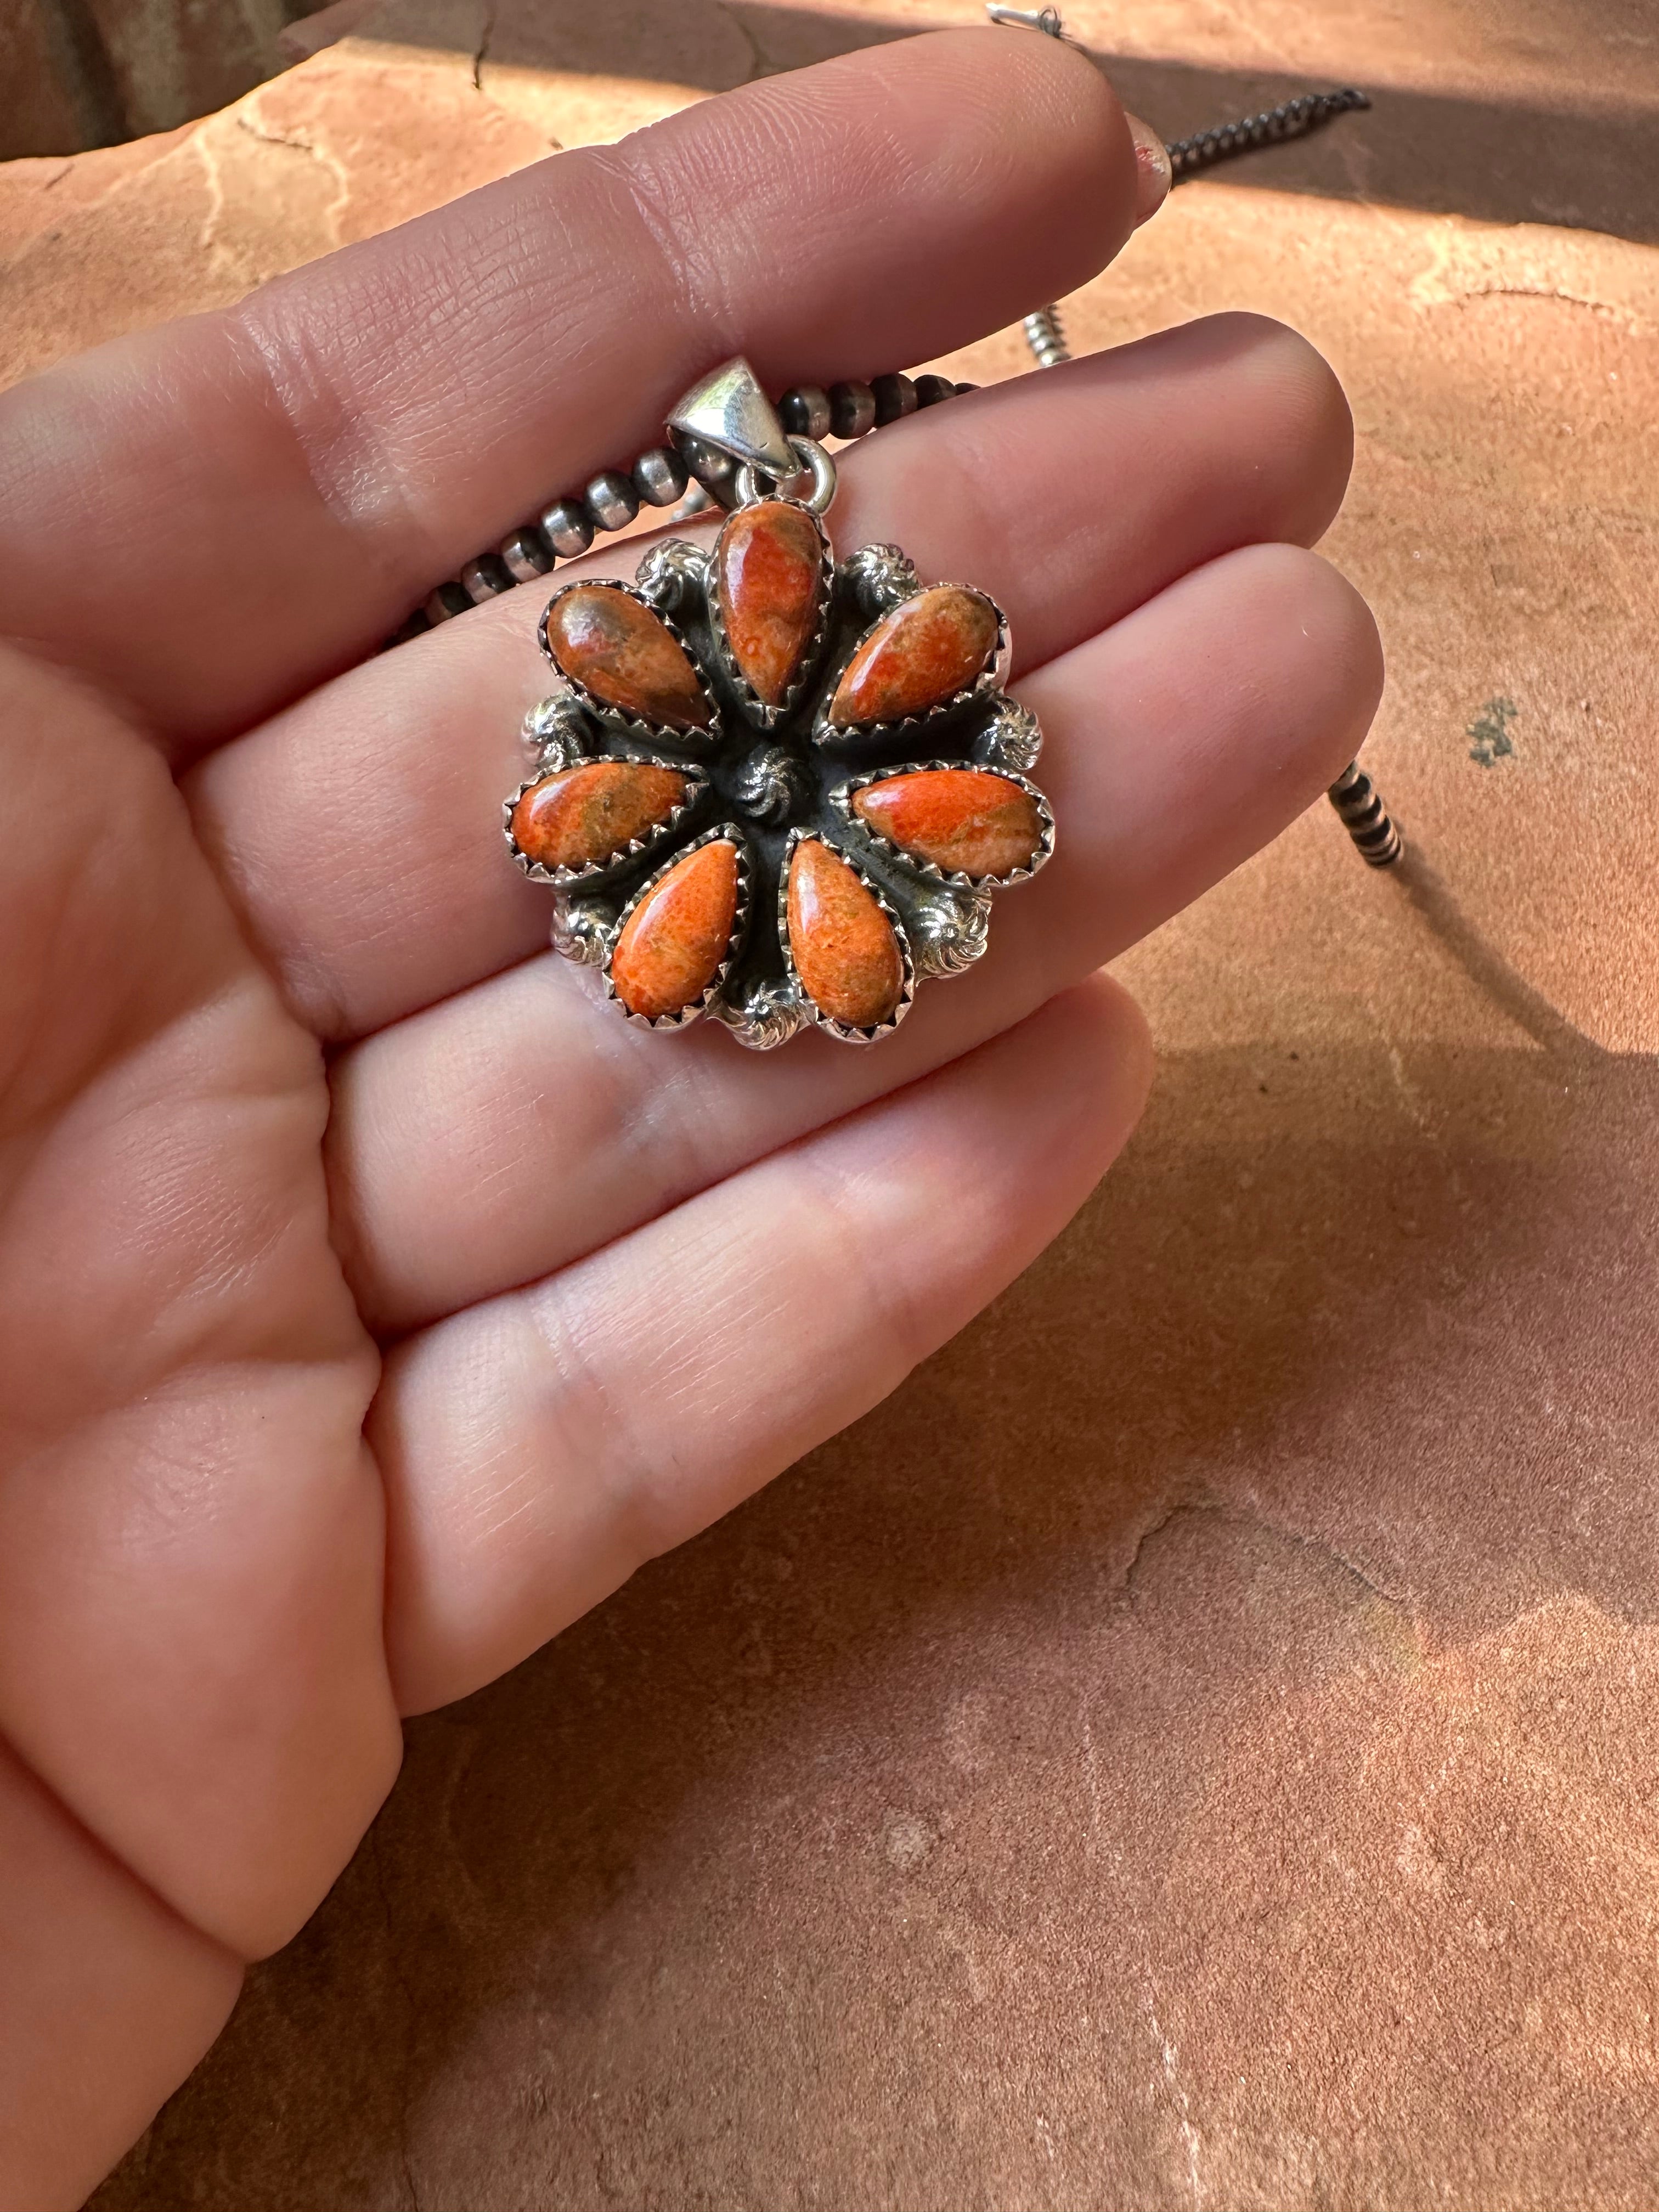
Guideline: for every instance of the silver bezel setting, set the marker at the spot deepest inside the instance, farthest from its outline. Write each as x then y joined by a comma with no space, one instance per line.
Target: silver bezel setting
848,1033
636,849
841,799
764,717
723,832
768,778
645,733
991,678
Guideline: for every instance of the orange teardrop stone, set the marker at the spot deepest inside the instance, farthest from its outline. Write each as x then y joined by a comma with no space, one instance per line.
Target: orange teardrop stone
591,812
927,649
621,650
842,945
962,819
676,935
769,567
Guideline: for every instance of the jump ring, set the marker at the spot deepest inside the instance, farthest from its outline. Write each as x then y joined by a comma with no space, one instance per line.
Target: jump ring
812,456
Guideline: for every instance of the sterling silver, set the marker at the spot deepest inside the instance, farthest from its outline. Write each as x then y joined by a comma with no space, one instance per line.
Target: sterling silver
767,777
730,411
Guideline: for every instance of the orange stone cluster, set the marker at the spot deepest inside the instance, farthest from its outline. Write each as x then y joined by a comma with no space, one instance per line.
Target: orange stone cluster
770,596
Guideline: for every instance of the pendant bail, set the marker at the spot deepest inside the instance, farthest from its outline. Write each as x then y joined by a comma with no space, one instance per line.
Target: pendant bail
729,410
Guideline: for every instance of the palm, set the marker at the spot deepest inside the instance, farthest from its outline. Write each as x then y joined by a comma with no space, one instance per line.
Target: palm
623,1279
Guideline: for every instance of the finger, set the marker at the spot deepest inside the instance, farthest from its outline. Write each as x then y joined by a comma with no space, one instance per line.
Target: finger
190,1528
539,1449
266,491
360,830
106,2002
501,1134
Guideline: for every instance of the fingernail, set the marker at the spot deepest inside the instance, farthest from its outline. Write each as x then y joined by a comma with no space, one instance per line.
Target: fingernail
1153,175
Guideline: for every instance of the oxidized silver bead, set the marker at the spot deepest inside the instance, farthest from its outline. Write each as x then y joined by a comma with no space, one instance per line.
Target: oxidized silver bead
448,600
611,500
707,463
661,476
569,527
804,411
484,578
895,397
524,556
852,409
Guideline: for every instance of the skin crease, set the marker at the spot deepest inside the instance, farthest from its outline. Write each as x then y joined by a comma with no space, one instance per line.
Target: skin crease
289,1442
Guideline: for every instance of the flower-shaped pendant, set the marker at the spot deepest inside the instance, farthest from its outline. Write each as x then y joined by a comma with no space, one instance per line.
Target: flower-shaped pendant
776,789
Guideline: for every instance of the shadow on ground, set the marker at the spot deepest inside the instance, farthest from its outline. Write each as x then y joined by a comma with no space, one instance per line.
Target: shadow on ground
1497,160
958,1806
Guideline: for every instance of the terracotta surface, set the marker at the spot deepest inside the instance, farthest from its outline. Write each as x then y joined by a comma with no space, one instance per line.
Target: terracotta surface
586,814
616,646
768,571
841,942
962,820
676,937
928,648
81,73
1193,1746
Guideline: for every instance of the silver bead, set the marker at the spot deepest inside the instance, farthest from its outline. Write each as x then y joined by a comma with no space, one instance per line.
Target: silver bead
448,600
1046,336
524,556
707,463
804,411
1364,816
895,397
484,578
851,409
611,500
661,476
569,527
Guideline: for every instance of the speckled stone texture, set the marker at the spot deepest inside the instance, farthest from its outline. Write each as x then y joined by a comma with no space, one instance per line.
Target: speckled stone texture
1195,1746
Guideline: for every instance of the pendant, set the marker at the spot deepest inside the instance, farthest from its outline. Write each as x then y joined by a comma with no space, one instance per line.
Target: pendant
775,787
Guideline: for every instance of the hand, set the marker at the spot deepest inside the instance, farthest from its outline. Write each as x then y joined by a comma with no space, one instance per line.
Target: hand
312,1415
